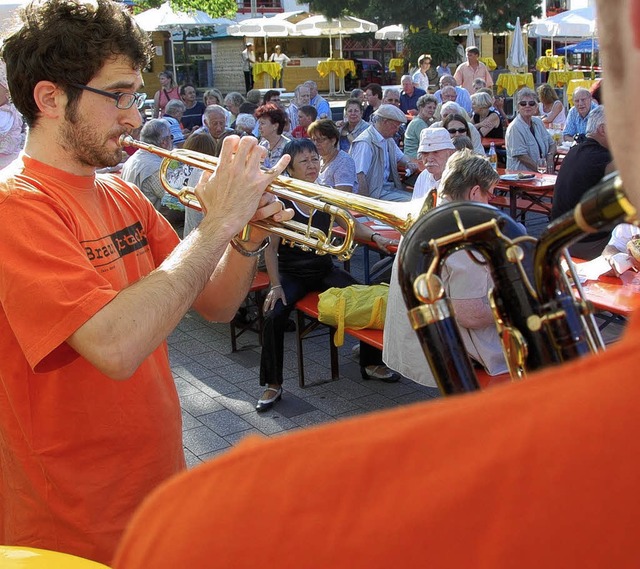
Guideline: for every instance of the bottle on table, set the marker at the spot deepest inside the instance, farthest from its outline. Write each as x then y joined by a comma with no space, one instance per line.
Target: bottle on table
493,157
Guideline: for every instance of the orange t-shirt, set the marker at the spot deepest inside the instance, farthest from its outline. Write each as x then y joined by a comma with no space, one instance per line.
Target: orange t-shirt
537,474
78,450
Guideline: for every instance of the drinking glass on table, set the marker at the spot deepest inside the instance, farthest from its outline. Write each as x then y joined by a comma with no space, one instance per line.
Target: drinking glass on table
542,165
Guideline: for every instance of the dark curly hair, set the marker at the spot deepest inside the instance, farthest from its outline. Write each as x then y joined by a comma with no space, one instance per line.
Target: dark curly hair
274,113
65,42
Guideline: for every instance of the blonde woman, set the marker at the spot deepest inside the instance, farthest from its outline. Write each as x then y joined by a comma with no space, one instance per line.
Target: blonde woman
486,120
550,107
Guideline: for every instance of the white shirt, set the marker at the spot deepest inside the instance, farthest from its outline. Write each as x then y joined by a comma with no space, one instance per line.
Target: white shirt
280,58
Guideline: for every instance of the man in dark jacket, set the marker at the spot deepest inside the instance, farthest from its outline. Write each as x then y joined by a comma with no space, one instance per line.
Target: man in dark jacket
583,167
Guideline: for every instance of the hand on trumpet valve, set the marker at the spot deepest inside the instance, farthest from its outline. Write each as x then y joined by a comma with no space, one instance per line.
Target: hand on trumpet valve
235,192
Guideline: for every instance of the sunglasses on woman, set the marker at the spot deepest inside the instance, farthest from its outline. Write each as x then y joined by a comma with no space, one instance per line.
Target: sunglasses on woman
525,103
457,130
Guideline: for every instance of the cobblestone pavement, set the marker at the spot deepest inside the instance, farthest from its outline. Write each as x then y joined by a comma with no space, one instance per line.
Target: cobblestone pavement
218,389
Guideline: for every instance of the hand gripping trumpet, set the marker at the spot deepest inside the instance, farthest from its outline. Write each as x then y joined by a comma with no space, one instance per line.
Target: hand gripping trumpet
336,203
538,317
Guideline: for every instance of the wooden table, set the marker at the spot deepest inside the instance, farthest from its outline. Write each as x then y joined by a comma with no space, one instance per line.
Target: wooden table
618,295
511,82
498,142
336,68
534,194
269,70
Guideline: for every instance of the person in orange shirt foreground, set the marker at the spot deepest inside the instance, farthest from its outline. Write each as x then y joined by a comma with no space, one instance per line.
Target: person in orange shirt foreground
93,280
540,473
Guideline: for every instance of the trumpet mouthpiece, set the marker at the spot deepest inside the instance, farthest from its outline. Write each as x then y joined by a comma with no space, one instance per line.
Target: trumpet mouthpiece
126,140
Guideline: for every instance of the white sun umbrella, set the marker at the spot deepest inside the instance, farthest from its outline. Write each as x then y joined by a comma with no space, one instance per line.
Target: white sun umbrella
263,28
468,30
315,26
471,39
165,18
517,58
579,23
391,33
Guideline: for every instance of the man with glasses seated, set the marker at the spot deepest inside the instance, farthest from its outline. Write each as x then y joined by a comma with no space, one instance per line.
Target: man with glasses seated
576,125
93,280
143,168
463,97
392,97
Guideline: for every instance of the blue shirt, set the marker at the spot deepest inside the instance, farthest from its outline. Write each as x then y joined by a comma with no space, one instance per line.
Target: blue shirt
575,123
463,98
410,102
321,105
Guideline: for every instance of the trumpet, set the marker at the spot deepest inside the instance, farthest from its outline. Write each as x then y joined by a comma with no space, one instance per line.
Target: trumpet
336,203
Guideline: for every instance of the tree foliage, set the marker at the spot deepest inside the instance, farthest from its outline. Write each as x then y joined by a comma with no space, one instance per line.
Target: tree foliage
433,14
214,8
440,47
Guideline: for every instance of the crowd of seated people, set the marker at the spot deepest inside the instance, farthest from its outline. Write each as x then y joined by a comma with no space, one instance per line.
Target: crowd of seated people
364,153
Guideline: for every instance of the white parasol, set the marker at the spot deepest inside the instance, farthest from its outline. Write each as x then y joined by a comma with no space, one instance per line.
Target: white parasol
165,18
517,59
263,28
391,33
315,26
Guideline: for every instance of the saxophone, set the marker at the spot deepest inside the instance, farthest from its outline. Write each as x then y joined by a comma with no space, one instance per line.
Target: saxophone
539,319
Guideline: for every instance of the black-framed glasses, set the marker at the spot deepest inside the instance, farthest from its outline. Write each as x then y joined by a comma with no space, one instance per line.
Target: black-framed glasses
123,101
525,103
457,130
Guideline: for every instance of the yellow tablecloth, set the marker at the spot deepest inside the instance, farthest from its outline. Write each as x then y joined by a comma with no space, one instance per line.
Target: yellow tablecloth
339,66
574,84
396,64
561,78
551,63
271,68
489,62
511,82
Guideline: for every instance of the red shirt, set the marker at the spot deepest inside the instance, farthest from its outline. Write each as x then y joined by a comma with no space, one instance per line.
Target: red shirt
78,450
536,474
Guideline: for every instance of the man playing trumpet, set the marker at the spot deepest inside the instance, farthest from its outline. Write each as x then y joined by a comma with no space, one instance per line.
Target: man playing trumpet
539,473
93,280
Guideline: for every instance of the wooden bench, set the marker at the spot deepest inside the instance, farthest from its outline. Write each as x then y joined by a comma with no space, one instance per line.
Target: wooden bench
253,303
308,323
522,205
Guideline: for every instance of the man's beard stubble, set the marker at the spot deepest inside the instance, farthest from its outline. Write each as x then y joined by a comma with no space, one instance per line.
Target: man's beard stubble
85,144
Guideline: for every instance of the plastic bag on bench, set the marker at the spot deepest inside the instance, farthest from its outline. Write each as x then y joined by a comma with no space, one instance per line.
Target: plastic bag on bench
355,306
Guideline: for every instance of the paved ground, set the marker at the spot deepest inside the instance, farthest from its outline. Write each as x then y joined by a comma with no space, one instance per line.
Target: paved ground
218,389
